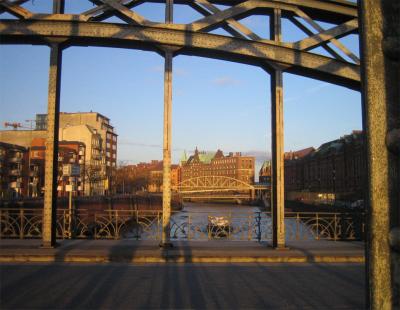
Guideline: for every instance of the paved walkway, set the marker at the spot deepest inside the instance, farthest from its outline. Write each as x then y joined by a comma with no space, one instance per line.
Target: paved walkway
182,286
104,251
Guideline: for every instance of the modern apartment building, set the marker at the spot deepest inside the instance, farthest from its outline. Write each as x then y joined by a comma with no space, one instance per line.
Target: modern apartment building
90,128
101,125
69,153
95,171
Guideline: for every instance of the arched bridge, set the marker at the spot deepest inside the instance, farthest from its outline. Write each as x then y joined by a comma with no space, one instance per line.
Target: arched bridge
219,187
212,184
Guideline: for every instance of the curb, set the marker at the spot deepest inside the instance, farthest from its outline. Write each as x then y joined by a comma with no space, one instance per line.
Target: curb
177,259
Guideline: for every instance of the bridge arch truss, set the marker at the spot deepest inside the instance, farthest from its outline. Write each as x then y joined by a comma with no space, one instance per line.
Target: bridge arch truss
210,184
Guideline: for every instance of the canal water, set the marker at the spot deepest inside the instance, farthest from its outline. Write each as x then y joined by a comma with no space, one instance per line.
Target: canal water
205,221
218,208
211,221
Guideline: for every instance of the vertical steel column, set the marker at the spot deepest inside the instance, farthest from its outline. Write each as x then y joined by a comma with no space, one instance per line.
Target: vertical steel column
166,220
278,185
51,159
380,55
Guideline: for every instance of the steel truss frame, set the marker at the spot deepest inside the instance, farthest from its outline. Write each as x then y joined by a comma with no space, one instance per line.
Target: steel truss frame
380,61
89,28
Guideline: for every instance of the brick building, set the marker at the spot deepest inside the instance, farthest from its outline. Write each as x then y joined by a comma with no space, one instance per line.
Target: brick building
133,178
13,170
337,168
233,165
144,177
264,175
156,177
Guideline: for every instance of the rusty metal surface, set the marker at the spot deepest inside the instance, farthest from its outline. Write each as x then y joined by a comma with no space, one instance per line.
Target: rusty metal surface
51,160
381,115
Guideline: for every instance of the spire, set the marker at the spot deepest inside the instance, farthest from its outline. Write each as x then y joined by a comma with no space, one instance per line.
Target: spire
184,157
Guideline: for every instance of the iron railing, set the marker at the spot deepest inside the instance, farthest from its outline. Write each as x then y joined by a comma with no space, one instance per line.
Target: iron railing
147,225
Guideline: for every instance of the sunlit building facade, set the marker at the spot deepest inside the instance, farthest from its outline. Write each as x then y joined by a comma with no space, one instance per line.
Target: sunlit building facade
233,165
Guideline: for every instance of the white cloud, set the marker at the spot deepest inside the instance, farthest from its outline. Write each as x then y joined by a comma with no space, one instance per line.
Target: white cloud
226,81
311,90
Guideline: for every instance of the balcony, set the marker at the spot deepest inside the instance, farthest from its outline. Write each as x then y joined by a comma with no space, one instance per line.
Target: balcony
96,157
15,172
15,159
15,185
33,173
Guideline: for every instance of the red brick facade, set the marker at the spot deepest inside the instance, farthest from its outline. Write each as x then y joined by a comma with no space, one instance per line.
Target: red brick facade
217,164
337,167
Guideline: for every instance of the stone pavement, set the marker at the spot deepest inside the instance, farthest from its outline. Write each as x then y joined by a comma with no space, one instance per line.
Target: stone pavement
216,251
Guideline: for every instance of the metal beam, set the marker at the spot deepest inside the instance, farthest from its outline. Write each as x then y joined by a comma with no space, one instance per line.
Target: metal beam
51,158
192,43
198,8
15,9
307,31
127,14
327,35
166,194
337,43
278,181
381,116
235,24
17,2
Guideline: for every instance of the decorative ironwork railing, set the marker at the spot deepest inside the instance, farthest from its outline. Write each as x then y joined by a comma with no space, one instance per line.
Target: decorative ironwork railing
147,225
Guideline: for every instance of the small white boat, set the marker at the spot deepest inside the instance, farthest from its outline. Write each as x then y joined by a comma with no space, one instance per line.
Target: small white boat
218,226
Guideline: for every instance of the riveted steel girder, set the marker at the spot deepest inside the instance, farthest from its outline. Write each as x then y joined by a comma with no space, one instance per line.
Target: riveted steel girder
189,43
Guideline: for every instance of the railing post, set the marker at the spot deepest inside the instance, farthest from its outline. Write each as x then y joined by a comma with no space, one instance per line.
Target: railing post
297,226
116,235
21,230
229,225
249,228
189,224
209,227
335,228
95,226
317,226
1,227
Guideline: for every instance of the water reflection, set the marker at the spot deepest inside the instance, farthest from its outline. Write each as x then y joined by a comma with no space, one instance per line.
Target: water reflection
204,221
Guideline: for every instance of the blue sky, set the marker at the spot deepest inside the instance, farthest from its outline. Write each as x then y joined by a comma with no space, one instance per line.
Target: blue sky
216,104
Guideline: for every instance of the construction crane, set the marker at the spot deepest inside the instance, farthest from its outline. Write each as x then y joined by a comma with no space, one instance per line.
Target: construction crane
15,126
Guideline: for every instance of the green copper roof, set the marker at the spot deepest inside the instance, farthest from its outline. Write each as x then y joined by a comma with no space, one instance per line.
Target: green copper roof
205,157
184,157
